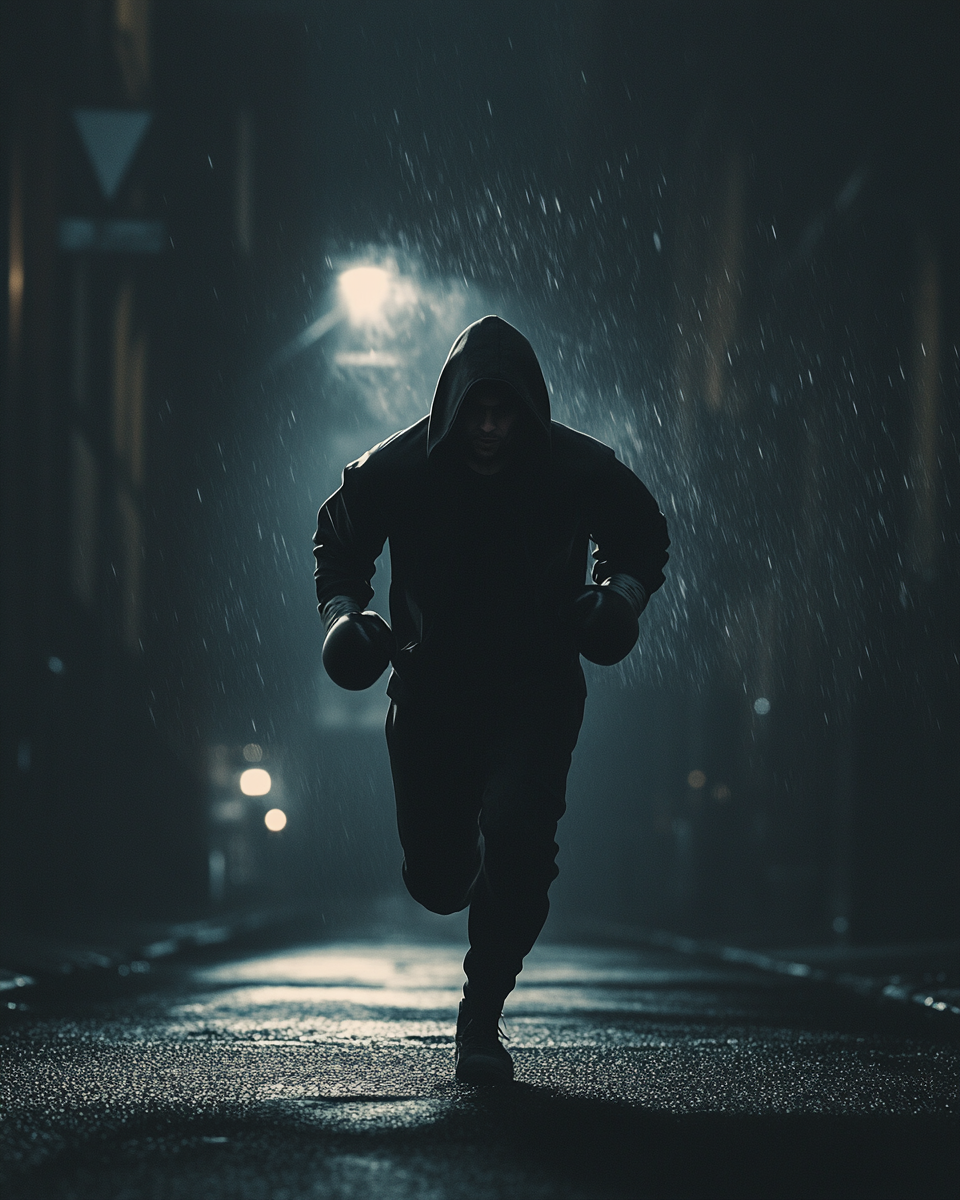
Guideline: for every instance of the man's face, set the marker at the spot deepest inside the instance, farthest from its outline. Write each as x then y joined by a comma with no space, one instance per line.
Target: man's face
488,420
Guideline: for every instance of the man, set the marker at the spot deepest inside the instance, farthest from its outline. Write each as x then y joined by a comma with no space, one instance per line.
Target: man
489,507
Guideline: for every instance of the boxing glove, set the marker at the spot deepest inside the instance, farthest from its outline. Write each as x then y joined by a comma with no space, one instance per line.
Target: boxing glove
605,619
358,646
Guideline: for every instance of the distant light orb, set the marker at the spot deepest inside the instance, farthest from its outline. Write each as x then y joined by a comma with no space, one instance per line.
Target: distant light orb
696,779
275,820
252,752
255,781
364,291
761,706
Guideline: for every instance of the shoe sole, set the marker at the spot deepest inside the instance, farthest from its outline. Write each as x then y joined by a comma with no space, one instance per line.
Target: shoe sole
482,1072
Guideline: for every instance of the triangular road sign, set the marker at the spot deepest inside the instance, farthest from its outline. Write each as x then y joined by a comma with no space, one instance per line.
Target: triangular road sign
111,136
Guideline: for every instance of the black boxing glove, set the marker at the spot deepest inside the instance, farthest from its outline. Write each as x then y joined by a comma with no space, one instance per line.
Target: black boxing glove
358,646
605,619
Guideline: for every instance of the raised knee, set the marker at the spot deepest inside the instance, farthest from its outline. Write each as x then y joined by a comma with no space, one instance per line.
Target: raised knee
438,902
442,907
434,896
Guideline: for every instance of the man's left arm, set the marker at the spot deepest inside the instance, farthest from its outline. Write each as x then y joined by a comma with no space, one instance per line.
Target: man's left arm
628,528
630,534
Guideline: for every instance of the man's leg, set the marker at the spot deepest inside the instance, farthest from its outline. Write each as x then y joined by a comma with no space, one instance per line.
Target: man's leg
438,782
524,798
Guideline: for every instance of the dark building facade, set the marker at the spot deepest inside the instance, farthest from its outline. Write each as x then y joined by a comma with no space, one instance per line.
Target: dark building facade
128,193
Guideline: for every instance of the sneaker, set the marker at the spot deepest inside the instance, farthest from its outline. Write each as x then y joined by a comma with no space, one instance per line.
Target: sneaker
480,1056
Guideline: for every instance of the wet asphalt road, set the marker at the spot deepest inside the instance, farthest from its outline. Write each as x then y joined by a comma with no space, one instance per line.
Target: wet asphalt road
326,1071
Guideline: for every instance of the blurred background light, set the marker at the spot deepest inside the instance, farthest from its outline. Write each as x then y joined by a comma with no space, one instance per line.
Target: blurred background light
365,291
252,752
696,779
761,706
255,781
367,296
275,820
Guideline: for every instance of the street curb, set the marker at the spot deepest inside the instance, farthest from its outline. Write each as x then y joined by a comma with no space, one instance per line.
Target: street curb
34,961
943,1001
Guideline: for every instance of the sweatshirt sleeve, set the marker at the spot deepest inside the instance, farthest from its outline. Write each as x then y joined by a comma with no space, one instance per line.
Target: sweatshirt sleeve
351,531
627,527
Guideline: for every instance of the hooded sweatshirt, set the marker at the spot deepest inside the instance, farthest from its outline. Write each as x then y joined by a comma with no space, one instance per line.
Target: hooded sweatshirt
485,568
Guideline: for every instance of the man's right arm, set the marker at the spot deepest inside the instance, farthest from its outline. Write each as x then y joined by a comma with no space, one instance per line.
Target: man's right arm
351,531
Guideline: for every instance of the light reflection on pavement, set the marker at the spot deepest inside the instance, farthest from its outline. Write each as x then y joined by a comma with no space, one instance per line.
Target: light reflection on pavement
354,1041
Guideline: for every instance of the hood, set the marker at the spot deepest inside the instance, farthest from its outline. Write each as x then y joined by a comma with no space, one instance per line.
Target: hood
489,349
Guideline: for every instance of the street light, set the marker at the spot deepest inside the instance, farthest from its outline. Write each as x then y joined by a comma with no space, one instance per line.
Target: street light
365,291
363,294
255,781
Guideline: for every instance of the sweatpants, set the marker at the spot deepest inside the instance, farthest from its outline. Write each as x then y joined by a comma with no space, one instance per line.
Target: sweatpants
480,785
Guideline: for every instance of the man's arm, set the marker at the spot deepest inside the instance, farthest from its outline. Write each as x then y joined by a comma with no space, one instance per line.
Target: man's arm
628,528
631,549
351,531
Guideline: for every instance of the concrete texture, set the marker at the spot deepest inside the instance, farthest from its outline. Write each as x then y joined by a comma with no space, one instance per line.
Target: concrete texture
326,1070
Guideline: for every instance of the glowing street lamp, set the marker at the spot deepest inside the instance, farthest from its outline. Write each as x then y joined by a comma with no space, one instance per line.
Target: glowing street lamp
365,291
255,781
